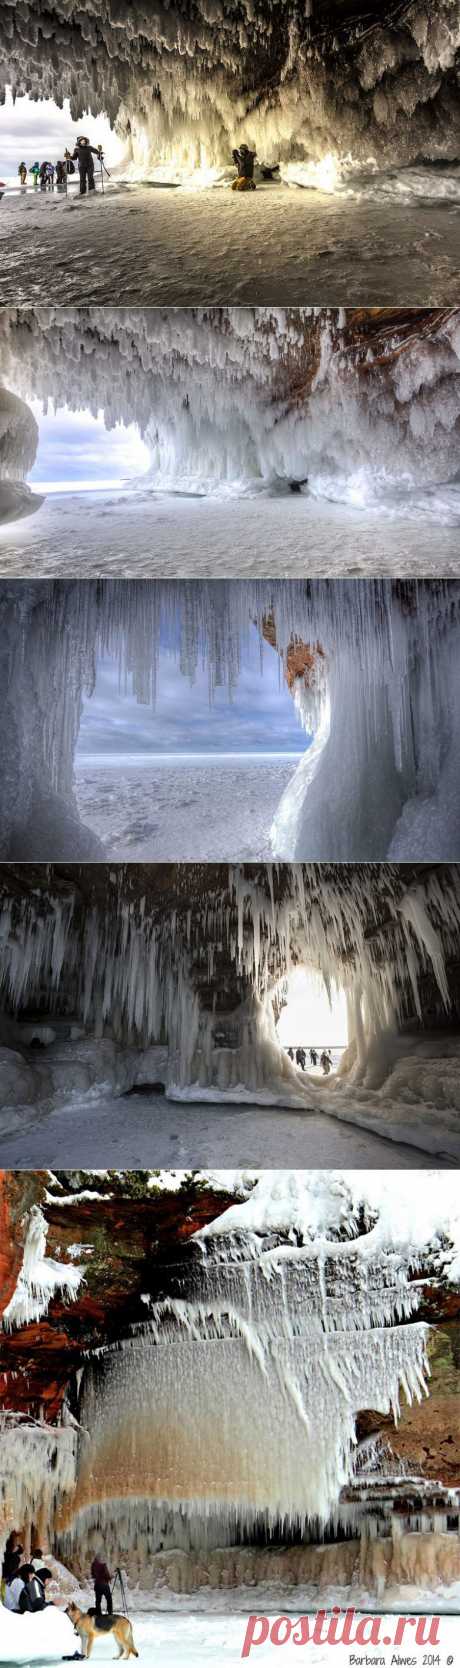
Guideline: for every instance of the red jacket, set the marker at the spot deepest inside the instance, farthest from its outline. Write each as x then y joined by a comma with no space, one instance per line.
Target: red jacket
100,1572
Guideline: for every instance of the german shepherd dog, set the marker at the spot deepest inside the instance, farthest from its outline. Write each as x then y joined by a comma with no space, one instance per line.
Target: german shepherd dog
89,1625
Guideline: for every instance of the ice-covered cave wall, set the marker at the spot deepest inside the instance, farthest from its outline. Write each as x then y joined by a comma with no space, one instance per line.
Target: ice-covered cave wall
202,971
383,700
361,405
299,1311
18,446
186,82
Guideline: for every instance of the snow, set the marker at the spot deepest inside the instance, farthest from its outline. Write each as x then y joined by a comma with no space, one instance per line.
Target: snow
208,1638
145,534
273,246
194,810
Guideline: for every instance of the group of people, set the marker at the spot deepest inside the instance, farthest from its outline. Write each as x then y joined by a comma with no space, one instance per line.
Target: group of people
47,174
299,1055
24,1583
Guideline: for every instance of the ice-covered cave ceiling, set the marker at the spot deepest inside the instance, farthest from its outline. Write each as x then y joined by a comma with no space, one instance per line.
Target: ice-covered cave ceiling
189,80
227,394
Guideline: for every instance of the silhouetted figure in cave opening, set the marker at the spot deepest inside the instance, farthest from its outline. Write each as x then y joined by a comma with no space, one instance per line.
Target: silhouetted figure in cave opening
83,154
244,160
326,1062
301,1058
102,1579
313,1057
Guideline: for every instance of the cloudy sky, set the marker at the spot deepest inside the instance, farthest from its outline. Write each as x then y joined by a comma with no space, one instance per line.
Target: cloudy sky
76,450
260,718
39,132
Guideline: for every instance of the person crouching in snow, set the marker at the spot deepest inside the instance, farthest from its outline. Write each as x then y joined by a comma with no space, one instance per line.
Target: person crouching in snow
83,154
244,160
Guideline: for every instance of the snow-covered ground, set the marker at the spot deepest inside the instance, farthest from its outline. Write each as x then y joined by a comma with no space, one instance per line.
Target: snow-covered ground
193,810
143,534
215,1638
384,241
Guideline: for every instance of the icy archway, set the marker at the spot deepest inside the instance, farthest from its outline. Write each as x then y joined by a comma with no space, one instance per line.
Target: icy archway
381,697
186,82
194,959
364,407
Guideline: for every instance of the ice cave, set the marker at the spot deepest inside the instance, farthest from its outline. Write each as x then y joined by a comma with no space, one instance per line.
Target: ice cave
303,440
372,667
128,989
354,106
242,1385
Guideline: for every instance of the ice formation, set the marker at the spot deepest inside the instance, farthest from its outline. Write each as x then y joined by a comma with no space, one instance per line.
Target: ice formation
250,399
39,1279
185,83
298,1311
381,696
37,1473
130,970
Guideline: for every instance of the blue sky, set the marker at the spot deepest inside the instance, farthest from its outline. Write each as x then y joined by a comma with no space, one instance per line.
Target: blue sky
75,450
39,131
261,717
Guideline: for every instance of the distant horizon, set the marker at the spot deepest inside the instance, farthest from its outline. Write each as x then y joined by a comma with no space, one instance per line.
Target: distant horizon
112,760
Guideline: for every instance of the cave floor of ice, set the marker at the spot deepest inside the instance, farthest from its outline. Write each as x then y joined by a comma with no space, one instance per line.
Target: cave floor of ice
143,1127
214,1633
275,246
141,534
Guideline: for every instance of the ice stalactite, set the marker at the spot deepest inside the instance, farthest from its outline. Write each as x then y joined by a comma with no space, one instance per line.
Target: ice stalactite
250,399
130,971
186,83
37,1474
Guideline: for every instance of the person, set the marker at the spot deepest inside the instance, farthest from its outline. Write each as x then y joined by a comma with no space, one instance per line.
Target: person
326,1062
291,1053
301,1058
33,1596
35,170
22,171
13,1555
60,173
43,173
244,163
83,154
313,1057
13,1581
37,1558
15,1587
102,1578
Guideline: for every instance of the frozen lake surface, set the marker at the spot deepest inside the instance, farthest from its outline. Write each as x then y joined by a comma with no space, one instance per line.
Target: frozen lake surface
194,810
144,1130
388,240
142,534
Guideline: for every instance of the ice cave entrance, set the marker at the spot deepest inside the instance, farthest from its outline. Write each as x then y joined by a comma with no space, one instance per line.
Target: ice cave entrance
39,130
77,453
313,1018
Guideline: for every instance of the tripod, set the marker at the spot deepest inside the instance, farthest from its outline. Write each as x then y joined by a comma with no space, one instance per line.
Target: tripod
104,170
119,1577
